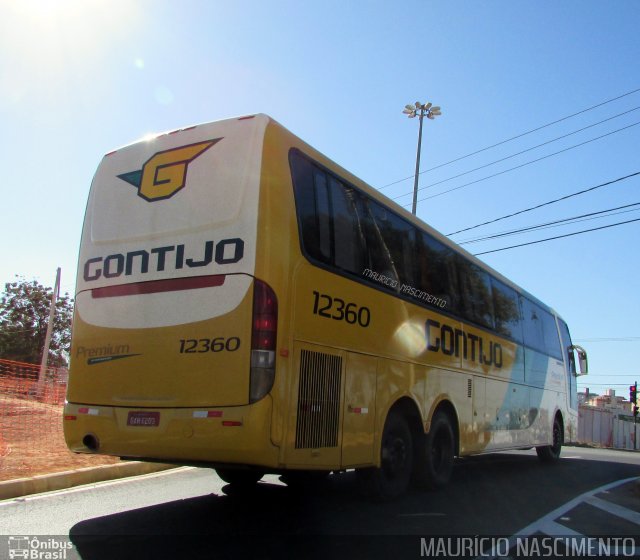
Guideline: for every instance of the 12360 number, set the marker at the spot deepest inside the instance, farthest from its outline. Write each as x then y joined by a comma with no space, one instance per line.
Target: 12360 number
202,345
339,310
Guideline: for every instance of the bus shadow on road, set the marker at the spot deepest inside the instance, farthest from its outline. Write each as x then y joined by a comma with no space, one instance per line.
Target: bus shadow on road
270,521
333,521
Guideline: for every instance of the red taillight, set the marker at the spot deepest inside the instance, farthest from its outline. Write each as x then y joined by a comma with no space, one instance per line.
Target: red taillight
265,317
264,333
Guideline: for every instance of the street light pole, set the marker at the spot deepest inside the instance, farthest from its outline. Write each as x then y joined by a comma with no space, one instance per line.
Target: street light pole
415,179
419,110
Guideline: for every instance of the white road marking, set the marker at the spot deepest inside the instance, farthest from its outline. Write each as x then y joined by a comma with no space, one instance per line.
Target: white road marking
614,509
549,526
84,487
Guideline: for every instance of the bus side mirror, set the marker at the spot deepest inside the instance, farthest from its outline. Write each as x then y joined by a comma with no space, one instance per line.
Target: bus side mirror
582,359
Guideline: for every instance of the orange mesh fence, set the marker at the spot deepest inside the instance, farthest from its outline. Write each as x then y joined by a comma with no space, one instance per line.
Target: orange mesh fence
31,438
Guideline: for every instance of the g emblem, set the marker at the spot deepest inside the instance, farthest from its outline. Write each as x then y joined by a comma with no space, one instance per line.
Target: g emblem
165,173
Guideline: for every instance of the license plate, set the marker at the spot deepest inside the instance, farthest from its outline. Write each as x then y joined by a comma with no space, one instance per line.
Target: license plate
143,418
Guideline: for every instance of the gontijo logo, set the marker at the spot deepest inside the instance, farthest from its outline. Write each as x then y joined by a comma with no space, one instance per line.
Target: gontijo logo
165,173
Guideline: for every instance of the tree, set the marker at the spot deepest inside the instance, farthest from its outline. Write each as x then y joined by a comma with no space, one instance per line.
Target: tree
24,314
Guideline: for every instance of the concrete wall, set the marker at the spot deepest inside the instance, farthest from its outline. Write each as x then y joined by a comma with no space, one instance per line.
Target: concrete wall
606,428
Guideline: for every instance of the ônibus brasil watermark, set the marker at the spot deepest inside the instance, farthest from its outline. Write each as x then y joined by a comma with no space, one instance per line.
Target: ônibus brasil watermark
404,288
38,548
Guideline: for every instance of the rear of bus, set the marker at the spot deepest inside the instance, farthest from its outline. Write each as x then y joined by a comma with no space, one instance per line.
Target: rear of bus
174,337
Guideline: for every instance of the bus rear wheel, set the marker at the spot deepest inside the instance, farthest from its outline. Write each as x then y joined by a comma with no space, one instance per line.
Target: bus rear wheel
241,478
551,453
396,461
435,454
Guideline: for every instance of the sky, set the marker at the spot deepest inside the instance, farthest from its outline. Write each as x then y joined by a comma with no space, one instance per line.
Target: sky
79,78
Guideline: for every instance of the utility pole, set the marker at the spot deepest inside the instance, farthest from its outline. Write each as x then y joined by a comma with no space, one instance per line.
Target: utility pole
633,397
47,340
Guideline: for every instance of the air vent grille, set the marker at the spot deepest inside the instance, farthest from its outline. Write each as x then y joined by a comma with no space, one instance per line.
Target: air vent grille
318,400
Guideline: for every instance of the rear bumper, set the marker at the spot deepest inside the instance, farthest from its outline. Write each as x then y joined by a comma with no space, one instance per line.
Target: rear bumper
234,435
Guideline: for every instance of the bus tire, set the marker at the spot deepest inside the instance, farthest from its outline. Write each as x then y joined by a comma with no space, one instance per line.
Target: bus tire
551,453
241,478
392,478
435,454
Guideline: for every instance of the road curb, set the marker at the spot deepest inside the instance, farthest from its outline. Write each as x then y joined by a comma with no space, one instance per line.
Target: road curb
68,479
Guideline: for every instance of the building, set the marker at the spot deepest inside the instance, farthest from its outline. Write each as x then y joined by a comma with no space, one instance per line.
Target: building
609,401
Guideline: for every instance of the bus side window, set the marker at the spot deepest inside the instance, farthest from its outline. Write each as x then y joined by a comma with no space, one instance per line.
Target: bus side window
566,344
378,251
436,272
348,235
323,215
400,238
507,310
307,201
476,293
532,325
569,356
540,331
395,238
551,337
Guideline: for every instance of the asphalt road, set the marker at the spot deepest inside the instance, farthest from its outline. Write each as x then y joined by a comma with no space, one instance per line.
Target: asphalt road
191,513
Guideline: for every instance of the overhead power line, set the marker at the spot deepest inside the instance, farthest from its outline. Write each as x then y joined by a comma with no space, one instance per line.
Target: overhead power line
519,153
555,223
610,374
525,164
515,137
611,339
557,237
587,384
548,203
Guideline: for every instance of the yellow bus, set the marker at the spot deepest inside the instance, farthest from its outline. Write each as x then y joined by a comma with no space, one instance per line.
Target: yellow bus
246,304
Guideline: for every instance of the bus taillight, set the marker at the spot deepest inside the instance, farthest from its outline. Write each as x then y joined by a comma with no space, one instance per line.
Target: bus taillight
263,340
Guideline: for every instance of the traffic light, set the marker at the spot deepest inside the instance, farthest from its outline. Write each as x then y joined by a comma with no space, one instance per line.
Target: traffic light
633,393
635,410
